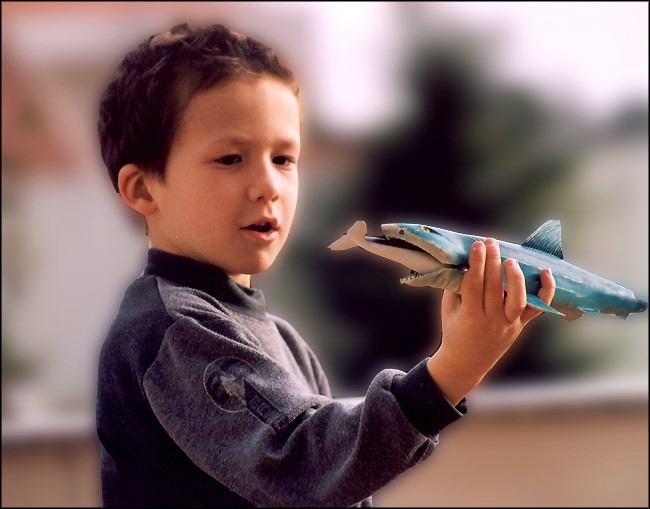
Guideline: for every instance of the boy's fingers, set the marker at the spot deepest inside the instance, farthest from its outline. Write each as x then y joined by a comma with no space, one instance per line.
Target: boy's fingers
546,293
493,296
472,286
450,301
516,294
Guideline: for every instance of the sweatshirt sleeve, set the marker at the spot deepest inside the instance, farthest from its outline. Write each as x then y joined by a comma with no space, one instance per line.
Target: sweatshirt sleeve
262,432
424,403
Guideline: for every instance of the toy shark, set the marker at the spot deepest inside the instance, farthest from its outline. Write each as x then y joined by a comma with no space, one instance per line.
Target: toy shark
438,258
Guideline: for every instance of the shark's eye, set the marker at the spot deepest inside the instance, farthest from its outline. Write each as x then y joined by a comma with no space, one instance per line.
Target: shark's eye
427,229
401,232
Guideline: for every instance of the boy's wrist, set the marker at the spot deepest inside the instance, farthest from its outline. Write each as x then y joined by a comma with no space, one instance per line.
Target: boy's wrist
450,376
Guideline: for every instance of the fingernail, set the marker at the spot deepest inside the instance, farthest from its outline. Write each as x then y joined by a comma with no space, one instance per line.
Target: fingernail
512,262
490,242
478,246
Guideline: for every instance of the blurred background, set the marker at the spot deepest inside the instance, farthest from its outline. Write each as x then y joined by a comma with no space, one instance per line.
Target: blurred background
481,117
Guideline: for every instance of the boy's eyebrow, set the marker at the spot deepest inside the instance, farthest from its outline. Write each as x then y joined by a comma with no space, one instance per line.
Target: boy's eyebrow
292,142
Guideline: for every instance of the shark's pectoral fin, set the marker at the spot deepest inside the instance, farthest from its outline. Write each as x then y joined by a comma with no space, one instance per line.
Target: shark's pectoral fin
573,314
535,302
623,315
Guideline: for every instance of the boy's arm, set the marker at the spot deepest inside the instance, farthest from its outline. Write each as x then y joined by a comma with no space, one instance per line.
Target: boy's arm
479,327
264,433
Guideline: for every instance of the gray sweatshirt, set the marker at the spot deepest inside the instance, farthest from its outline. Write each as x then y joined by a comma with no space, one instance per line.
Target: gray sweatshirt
204,398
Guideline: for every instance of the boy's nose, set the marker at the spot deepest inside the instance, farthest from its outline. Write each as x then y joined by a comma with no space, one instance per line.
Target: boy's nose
264,185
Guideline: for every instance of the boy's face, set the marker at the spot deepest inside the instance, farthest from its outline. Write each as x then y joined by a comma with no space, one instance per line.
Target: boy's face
231,181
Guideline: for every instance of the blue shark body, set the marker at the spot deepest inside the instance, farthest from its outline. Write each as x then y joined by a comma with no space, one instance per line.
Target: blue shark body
439,258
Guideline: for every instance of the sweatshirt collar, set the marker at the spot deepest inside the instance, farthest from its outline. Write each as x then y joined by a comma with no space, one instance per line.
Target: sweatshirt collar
207,278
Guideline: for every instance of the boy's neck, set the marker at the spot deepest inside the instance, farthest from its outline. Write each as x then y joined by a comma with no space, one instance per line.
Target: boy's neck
241,279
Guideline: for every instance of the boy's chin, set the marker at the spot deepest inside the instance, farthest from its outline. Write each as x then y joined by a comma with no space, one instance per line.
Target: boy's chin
250,265
260,266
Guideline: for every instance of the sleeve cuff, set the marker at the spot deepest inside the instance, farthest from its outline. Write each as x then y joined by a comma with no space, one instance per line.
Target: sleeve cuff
422,401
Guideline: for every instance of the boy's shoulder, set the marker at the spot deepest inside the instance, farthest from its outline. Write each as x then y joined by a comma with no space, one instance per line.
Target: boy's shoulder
151,306
187,302
151,294
283,325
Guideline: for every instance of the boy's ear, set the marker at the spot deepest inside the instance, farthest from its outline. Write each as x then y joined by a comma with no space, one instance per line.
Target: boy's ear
132,183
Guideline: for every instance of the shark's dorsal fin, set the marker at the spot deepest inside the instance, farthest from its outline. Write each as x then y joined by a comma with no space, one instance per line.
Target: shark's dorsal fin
547,238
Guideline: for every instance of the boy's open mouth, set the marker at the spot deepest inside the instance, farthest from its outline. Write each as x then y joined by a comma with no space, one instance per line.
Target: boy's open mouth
261,227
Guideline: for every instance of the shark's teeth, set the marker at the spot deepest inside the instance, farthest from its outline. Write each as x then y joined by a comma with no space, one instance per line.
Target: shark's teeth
413,275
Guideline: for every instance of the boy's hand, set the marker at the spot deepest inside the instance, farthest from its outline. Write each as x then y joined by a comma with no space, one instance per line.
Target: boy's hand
479,327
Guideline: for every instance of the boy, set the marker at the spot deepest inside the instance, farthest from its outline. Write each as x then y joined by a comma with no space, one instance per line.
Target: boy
203,397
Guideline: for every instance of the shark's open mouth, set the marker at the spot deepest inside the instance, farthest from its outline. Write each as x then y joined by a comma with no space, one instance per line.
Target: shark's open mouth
403,244
413,276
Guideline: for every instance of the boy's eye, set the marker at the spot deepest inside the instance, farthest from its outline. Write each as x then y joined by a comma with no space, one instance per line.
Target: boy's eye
283,160
229,159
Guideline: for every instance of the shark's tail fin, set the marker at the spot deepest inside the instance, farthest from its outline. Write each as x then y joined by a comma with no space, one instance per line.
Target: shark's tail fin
343,243
357,231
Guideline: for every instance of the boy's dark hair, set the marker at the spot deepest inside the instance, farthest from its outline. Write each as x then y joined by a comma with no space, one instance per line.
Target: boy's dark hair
141,109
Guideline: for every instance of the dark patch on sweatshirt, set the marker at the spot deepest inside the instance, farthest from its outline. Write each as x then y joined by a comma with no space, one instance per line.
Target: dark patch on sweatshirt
264,409
228,383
